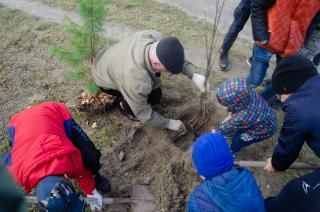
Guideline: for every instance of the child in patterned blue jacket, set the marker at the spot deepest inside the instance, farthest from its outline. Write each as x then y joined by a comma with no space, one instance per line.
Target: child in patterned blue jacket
250,120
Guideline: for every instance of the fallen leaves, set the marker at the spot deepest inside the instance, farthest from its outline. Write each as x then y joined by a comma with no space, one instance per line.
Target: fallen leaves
95,104
89,99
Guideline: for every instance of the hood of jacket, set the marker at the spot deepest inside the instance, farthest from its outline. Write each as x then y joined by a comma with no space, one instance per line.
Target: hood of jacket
235,94
235,190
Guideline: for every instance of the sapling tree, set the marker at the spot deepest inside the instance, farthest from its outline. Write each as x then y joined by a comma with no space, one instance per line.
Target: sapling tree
210,35
83,41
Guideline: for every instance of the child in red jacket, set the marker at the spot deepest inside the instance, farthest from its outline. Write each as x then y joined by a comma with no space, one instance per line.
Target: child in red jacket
47,149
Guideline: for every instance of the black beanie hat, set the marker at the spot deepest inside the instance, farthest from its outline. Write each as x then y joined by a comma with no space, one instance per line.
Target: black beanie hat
291,73
171,54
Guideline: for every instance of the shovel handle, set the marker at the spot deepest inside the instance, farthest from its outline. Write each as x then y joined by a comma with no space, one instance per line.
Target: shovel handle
105,201
261,164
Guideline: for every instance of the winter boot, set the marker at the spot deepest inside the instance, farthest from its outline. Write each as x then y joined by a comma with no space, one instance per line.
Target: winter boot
223,61
102,183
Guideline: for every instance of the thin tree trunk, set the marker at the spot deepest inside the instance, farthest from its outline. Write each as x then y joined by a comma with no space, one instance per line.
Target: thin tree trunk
92,34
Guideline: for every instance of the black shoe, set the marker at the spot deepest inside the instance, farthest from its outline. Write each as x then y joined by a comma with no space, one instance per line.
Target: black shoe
223,61
275,103
102,183
126,110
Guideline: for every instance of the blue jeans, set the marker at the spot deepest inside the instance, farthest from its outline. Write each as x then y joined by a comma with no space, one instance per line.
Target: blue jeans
241,14
259,65
240,140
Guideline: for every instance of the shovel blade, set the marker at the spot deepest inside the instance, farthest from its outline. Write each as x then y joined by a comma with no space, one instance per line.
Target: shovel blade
145,196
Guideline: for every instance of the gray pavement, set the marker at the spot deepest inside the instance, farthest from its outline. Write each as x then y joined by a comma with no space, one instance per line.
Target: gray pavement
200,7
113,30
56,15
119,31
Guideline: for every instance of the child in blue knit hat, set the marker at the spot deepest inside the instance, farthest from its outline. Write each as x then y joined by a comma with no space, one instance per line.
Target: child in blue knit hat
225,188
250,120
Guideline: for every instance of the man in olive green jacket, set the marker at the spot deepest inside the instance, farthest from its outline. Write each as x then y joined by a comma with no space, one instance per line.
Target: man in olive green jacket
131,68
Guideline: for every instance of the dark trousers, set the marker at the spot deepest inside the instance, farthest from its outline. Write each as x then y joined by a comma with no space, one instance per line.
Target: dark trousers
300,194
241,15
90,154
241,140
312,27
153,98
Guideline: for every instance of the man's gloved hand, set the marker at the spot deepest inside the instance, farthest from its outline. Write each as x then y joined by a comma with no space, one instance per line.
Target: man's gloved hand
96,203
176,125
198,79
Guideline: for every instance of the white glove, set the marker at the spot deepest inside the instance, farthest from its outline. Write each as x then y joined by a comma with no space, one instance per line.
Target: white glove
176,125
95,200
198,79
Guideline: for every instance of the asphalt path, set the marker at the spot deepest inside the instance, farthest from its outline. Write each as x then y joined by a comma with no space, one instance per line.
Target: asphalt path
200,7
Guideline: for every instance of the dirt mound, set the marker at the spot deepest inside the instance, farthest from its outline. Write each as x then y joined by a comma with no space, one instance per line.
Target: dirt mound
149,157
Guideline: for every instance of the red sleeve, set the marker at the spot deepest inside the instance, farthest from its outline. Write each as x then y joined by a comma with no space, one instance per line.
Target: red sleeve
86,182
63,110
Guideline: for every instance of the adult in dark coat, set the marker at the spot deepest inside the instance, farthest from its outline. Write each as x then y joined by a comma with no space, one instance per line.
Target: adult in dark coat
297,82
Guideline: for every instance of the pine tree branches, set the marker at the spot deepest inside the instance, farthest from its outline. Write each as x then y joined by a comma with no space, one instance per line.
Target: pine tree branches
83,41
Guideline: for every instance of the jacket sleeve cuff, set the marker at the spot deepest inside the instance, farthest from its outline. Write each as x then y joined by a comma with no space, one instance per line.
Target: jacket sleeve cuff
278,165
87,183
188,69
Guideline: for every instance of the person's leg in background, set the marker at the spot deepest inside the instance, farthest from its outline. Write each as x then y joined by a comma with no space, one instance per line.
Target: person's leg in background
269,94
241,15
314,25
260,65
311,47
